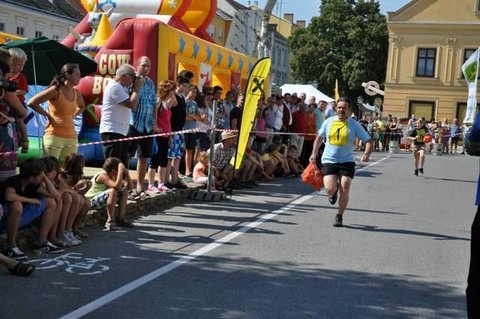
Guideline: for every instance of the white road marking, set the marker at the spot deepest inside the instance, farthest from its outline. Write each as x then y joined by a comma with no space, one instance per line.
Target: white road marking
372,164
102,301
86,309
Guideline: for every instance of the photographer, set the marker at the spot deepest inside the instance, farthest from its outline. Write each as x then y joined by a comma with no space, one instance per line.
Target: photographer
9,105
116,110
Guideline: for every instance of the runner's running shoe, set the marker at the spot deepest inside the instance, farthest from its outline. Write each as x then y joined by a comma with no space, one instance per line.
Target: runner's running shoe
338,221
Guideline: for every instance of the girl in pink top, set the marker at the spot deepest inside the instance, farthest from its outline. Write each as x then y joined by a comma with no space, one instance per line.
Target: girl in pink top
161,120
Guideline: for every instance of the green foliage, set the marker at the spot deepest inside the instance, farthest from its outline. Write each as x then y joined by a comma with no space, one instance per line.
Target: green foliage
348,42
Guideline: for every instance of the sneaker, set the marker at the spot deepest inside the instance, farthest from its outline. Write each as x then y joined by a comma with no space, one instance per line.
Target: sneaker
153,189
416,172
250,185
123,223
46,247
15,253
60,243
111,226
420,170
180,185
169,185
72,239
163,188
333,199
338,221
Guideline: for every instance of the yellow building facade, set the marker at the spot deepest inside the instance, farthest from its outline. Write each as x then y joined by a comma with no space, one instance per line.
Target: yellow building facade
429,40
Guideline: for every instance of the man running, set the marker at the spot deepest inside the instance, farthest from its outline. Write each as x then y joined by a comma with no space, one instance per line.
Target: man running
338,162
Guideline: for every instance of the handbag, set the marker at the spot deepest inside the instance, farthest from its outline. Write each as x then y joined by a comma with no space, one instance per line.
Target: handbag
311,175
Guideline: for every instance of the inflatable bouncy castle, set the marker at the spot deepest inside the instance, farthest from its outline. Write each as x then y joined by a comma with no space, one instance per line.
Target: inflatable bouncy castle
173,33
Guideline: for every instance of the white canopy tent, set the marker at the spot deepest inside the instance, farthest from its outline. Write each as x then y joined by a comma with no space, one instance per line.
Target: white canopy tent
308,89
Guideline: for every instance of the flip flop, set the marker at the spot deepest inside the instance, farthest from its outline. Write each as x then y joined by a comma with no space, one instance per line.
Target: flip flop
22,269
134,196
144,195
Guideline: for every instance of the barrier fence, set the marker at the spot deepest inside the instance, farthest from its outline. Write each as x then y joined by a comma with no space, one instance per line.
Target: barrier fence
203,129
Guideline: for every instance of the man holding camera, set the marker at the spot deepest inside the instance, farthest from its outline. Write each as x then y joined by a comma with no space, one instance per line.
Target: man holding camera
116,111
141,123
9,106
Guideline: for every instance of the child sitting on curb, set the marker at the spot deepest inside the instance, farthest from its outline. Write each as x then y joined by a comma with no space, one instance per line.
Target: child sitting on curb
200,171
109,188
72,175
293,160
25,198
65,207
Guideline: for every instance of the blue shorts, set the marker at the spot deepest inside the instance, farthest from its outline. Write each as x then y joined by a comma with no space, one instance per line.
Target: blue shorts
176,147
30,214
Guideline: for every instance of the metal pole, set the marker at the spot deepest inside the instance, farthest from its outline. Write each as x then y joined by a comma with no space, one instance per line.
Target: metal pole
212,144
39,136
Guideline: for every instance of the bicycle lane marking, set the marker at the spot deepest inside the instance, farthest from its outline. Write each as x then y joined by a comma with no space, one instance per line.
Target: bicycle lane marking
63,261
102,301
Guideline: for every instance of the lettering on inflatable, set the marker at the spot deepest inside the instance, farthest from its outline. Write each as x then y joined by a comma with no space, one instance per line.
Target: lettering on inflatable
99,83
107,66
108,63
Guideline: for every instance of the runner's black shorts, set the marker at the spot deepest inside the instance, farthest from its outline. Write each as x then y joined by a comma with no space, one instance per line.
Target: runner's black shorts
339,169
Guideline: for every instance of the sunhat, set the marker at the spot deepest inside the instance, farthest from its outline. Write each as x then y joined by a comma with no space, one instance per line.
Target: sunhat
226,135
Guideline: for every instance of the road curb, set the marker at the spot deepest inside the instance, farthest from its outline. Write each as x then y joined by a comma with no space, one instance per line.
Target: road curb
157,202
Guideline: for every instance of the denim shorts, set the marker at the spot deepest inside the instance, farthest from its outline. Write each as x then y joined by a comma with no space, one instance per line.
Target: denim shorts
99,200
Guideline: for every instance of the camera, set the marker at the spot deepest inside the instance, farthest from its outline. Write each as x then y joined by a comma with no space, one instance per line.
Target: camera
9,86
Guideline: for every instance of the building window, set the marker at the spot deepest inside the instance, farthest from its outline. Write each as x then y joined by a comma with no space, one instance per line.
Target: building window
220,34
21,31
462,110
426,62
3,22
38,34
422,109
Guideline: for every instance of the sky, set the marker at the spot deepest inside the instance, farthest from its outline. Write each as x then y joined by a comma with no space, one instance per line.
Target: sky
306,9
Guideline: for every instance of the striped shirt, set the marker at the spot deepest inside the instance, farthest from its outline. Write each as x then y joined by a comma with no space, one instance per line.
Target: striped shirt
142,118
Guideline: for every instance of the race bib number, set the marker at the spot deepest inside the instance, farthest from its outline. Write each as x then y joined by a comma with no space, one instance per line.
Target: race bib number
338,134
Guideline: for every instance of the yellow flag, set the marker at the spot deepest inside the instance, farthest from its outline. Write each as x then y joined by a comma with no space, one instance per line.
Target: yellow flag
337,93
257,82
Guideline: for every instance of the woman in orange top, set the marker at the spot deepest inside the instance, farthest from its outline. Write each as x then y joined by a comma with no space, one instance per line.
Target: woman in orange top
64,102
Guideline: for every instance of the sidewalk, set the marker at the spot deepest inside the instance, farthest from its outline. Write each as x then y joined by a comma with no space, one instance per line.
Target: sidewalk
155,204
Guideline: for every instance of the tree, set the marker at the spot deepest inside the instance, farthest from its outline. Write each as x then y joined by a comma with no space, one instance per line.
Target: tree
348,42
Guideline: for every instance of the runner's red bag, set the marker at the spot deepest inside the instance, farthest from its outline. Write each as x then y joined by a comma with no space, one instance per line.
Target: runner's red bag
312,175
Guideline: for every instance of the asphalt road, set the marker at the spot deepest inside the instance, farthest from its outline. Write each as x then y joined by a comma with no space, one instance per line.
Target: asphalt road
271,252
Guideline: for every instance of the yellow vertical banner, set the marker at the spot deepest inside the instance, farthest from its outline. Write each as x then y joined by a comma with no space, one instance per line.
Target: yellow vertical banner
256,84
337,92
